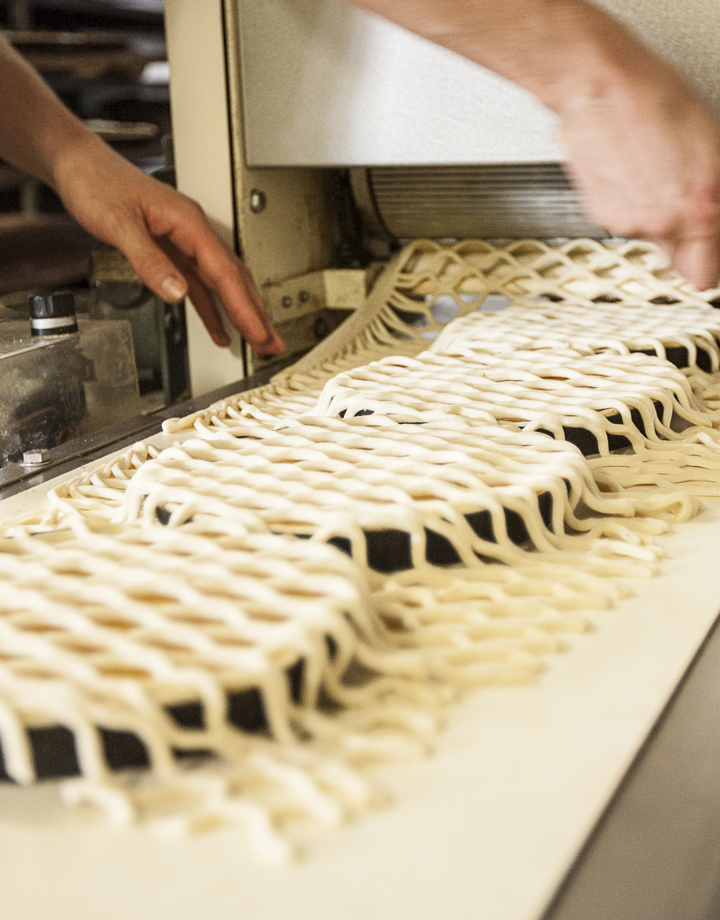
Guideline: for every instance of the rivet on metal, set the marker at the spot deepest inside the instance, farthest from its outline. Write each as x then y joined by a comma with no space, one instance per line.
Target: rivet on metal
258,201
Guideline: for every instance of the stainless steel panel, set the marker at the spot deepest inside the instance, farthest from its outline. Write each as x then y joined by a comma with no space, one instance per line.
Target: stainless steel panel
327,84
656,853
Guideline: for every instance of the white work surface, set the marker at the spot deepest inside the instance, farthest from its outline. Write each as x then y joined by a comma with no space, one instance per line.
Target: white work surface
485,828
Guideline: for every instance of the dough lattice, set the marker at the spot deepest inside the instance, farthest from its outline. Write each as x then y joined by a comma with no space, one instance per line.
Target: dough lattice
344,480
631,399
428,284
157,581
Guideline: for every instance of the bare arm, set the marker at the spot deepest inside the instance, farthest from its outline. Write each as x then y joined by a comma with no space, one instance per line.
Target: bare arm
164,234
643,150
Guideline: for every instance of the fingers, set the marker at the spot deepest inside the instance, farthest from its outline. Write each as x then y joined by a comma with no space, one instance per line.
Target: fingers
235,297
222,273
201,298
175,251
232,283
648,165
698,260
207,311
169,243
153,265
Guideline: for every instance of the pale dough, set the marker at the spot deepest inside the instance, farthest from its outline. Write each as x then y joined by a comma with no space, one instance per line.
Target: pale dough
168,577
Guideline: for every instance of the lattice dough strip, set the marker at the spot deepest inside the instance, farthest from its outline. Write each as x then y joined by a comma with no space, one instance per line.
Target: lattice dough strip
305,479
83,618
399,316
307,782
606,396
265,579
469,655
615,328
69,568
585,269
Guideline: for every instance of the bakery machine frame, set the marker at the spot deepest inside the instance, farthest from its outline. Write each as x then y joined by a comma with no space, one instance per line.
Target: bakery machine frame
317,137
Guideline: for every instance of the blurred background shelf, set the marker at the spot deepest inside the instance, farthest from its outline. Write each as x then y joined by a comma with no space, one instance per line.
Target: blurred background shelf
79,14
65,248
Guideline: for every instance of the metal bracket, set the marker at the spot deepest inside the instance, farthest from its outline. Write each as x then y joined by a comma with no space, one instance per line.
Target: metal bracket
332,288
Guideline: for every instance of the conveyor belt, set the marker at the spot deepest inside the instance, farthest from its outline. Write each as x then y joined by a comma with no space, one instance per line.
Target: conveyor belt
489,826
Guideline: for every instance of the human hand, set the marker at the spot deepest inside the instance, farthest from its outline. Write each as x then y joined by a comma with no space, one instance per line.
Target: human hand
646,157
643,150
167,239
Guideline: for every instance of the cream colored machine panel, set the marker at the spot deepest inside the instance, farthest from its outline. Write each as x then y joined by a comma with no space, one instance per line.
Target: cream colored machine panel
203,157
327,84
290,234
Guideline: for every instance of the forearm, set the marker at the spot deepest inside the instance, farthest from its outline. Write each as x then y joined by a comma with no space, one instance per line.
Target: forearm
37,133
165,235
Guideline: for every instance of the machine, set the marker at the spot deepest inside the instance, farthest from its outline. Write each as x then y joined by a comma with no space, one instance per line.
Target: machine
318,139
318,136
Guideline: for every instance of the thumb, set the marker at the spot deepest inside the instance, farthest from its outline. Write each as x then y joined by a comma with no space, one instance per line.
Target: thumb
155,268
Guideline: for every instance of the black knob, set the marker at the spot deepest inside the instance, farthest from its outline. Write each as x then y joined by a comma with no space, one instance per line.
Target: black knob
53,314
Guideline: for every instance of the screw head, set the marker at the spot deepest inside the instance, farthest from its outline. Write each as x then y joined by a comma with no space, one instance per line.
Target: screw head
304,296
35,457
321,328
258,201
286,301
